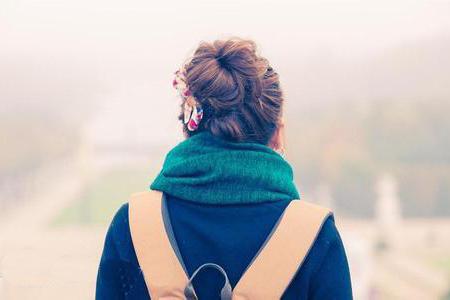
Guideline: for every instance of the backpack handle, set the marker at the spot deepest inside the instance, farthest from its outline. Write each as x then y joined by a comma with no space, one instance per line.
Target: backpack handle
225,292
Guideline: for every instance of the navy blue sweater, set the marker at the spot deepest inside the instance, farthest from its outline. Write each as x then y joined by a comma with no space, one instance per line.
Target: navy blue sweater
229,236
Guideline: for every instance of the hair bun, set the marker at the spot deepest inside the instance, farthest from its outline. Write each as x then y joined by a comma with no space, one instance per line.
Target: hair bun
230,81
240,56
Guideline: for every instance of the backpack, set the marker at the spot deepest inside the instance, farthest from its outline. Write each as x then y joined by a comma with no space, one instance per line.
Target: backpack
281,255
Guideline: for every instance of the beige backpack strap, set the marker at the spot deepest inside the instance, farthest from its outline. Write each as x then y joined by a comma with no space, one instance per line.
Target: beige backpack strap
274,267
163,272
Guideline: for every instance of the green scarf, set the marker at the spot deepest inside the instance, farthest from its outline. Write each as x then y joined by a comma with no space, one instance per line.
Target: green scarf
210,170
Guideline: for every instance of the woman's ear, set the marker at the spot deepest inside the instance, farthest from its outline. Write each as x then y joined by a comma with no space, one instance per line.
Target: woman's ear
277,141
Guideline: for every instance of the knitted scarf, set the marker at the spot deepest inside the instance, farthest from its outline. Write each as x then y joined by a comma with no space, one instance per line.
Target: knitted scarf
210,170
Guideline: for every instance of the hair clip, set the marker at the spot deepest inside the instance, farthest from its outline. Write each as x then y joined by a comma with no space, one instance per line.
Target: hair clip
193,114
192,111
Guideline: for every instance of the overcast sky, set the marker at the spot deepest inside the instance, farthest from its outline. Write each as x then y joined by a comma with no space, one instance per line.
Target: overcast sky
79,45
348,27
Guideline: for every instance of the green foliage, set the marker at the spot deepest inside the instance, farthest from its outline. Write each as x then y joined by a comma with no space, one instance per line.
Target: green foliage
349,146
409,133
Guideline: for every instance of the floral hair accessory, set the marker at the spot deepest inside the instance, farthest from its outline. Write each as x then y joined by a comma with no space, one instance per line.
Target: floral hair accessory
192,111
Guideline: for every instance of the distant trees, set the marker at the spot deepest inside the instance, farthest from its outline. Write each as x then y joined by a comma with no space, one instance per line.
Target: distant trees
348,147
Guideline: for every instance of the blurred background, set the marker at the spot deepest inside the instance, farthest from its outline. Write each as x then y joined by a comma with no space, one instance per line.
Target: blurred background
87,113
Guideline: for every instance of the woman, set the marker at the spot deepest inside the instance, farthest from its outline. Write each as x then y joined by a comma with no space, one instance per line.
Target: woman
225,188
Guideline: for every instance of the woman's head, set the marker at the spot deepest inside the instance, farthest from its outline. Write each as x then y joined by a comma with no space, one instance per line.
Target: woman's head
237,89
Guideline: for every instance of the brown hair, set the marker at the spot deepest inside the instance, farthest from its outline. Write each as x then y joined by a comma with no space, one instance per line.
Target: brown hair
238,90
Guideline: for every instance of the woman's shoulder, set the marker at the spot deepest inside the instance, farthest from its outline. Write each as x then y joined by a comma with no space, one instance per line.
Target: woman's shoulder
329,232
330,275
119,222
319,223
119,233
328,248
121,213
327,238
